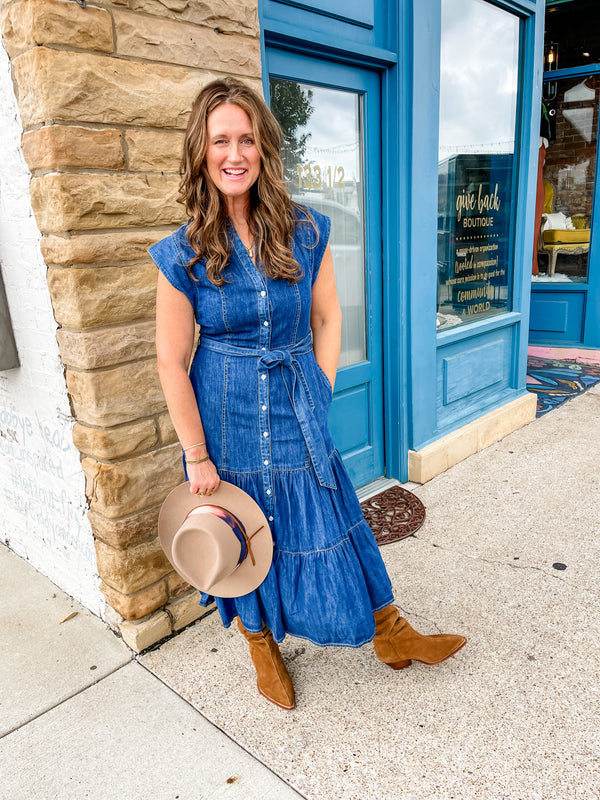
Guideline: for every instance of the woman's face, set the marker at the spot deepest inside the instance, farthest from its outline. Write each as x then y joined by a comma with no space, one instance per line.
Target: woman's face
232,158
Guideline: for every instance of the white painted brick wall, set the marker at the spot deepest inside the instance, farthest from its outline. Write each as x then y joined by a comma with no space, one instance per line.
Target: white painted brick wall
42,487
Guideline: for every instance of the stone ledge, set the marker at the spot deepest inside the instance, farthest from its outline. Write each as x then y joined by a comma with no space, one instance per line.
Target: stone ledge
437,457
143,633
140,634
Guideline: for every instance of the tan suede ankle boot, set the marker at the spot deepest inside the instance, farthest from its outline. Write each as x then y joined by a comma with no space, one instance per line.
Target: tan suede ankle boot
397,644
273,679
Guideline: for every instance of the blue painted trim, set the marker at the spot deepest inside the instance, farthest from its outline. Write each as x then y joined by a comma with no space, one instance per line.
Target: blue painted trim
318,7
478,328
396,121
542,342
591,327
531,67
421,175
520,7
571,72
336,73
286,34
263,52
542,286
578,345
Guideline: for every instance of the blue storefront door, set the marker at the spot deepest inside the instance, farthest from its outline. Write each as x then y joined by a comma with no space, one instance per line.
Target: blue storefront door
331,118
565,293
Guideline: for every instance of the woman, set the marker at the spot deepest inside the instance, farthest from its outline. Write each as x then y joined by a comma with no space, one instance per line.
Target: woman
255,271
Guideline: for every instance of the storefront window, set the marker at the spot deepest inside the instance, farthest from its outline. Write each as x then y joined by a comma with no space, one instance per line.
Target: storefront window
322,156
572,34
569,170
478,103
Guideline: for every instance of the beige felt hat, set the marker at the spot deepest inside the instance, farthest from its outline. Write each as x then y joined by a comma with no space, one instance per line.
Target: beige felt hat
221,543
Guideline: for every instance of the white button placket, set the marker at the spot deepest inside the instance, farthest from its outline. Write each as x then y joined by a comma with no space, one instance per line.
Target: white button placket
263,406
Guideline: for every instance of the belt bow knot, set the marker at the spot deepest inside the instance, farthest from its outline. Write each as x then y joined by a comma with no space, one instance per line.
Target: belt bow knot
274,357
286,359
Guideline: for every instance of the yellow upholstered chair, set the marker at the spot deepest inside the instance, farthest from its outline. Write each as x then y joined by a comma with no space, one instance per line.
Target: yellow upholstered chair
556,240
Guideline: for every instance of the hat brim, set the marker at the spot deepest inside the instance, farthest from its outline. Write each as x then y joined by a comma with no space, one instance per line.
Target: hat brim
247,576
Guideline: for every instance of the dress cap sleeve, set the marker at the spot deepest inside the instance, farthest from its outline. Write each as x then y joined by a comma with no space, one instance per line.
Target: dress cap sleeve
170,257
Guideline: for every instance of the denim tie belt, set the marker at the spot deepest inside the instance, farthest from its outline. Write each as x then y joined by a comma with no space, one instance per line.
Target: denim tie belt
295,387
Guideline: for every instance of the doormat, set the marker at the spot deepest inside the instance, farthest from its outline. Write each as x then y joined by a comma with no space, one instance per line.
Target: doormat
556,381
393,514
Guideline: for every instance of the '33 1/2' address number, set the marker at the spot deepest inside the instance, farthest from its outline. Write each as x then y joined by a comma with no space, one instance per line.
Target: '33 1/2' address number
311,176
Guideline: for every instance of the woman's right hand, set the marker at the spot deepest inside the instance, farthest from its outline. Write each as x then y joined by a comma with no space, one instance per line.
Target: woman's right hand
203,478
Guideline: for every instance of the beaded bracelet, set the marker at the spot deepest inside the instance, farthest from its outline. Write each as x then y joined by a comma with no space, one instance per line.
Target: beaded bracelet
191,447
197,460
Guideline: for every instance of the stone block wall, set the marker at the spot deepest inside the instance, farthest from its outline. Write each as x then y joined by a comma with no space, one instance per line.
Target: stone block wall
104,94
42,485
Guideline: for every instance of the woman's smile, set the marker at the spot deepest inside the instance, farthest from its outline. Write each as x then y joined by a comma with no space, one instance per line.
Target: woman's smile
232,157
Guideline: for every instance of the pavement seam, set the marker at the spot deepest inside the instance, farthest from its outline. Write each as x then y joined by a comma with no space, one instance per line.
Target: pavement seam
224,732
522,567
65,699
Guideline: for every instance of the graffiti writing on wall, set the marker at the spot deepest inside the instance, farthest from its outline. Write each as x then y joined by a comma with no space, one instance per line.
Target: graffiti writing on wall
36,474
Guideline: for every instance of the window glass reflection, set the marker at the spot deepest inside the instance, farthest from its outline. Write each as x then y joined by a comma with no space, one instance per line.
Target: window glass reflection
478,104
324,169
572,34
568,174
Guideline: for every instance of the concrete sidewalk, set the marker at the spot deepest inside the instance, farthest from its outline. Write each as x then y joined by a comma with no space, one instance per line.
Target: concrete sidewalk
514,716
81,718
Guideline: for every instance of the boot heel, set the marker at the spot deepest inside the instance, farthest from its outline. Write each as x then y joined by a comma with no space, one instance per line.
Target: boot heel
399,664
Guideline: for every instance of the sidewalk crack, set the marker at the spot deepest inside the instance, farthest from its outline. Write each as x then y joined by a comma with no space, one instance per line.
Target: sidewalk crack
499,563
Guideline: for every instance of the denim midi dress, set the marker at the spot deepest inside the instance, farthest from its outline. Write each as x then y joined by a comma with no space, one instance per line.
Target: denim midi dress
263,401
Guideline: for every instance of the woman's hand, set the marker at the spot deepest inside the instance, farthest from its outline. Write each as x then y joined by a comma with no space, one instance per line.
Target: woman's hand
204,478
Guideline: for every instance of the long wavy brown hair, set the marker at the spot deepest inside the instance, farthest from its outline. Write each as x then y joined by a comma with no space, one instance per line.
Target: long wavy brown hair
272,217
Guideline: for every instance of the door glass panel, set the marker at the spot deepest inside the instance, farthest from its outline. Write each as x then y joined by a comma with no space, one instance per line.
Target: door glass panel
323,165
571,106
478,107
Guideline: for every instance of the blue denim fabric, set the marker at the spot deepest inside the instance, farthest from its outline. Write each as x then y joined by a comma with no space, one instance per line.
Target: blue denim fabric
264,401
